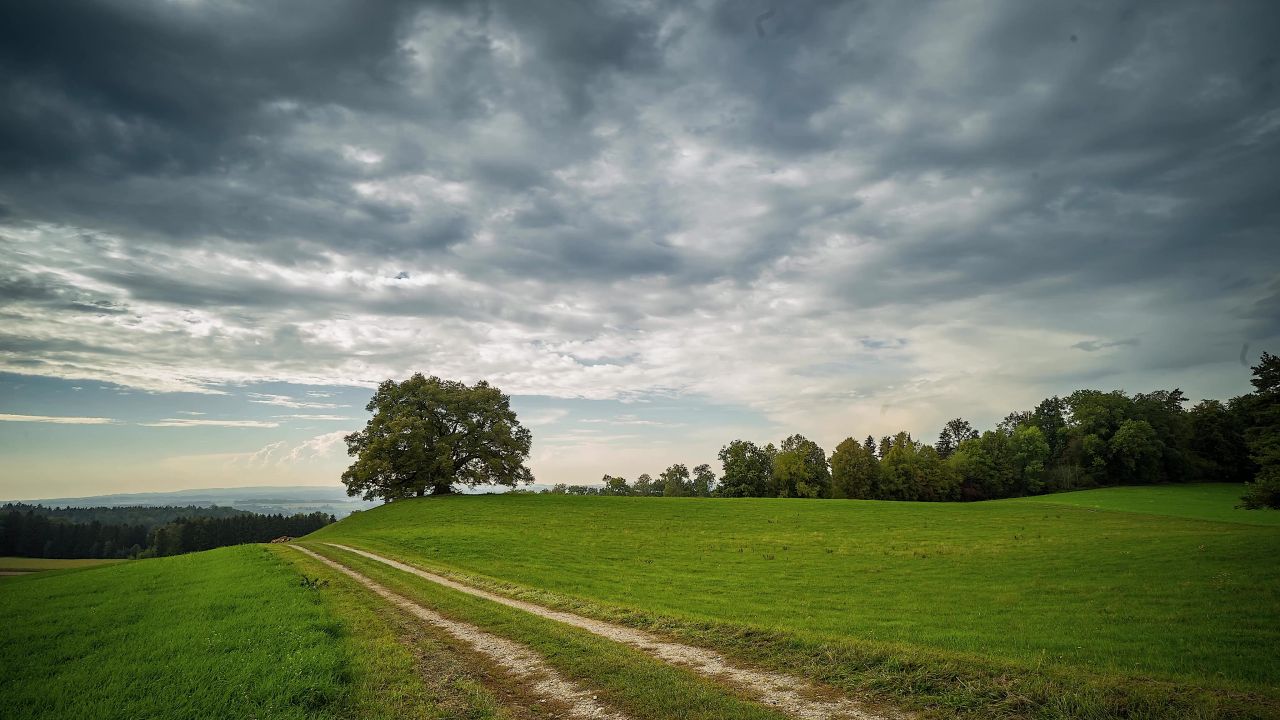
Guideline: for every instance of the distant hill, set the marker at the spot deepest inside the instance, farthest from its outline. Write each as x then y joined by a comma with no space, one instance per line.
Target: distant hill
287,500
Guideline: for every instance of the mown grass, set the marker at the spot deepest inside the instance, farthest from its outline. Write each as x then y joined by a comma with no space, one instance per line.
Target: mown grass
642,687
23,564
228,634
1206,501
1132,614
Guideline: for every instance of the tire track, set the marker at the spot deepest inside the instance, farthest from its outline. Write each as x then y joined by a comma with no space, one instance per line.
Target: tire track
522,662
788,693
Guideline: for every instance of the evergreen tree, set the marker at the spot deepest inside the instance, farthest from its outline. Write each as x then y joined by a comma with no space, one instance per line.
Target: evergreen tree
1263,435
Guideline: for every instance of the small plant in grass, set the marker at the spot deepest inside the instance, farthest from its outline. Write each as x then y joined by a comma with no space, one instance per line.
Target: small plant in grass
314,583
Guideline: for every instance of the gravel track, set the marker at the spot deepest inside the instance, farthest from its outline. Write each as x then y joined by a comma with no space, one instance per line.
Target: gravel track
790,694
519,660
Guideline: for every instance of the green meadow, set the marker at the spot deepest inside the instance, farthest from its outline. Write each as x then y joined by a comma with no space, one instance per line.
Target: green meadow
1136,603
1106,592
26,565
228,633
1204,501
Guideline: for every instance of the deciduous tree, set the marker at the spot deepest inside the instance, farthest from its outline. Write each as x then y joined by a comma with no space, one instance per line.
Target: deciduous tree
611,485
747,470
1264,434
429,435
854,469
800,470
704,480
675,481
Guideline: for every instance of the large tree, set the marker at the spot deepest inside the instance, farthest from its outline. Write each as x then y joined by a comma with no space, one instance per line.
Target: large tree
747,469
953,433
1135,452
704,480
800,470
645,486
854,470
1264,434
429,435
1218,449
675,481
611,485
1030,458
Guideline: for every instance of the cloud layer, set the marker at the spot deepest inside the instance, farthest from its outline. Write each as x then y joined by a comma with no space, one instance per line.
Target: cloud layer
844,215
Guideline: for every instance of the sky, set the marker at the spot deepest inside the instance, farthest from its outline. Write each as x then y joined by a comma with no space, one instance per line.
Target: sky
658,226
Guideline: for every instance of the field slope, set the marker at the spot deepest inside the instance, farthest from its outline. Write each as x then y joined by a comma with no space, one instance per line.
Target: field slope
1129,605
27,565
1204,501
229,633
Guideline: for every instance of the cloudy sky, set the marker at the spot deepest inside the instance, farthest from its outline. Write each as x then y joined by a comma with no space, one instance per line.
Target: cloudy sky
658,226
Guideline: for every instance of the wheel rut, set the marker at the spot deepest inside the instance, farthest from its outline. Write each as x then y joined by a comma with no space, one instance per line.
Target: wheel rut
790,694
520,661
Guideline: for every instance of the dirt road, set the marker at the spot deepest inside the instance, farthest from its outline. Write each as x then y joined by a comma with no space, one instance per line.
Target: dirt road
790,694
517,659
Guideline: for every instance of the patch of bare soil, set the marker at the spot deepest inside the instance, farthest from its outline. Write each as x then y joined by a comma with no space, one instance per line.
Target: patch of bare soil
516,659
792,695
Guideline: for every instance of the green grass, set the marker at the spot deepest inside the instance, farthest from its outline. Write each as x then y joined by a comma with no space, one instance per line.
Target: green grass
1207,501
398,668
23,564
228,633
1132,609
642,687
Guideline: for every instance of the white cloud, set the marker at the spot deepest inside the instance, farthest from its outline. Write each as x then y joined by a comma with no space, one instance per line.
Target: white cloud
629,420
56,419
194,422
320,446
286,401
544,417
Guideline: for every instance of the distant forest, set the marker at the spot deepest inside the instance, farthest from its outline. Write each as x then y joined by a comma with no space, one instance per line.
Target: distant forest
133,532
1087,439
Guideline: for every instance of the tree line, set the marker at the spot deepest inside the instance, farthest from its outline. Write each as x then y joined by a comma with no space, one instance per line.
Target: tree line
148,515
35,531
1087,439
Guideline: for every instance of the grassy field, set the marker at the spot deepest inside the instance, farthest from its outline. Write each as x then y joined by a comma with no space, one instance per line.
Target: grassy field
1207,501
1106,598
641,686
396,667
22,564
228,633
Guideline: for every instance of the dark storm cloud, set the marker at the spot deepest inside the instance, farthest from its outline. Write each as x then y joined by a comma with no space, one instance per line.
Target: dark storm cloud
178,87
558,182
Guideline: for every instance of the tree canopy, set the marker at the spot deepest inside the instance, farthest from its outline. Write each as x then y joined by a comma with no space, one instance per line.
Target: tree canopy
1263,435
800,470
1090,438
429,435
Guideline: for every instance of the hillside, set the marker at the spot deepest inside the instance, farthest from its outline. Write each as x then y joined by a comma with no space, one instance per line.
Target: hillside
1117,597
228,633
649,608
